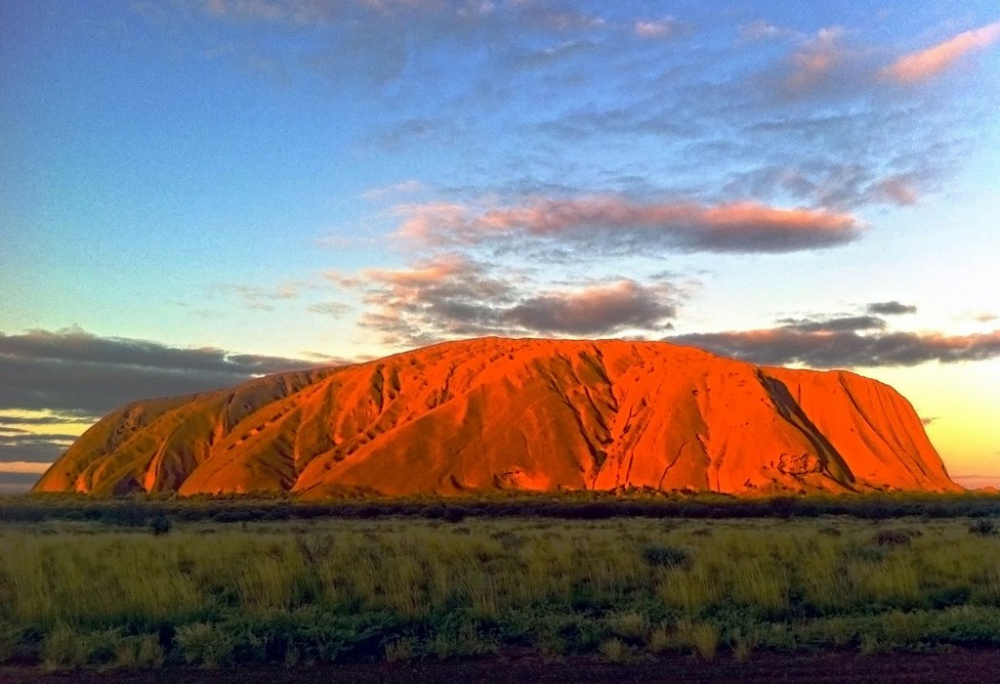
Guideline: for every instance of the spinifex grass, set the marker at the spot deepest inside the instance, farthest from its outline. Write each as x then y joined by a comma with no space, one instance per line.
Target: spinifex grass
293,591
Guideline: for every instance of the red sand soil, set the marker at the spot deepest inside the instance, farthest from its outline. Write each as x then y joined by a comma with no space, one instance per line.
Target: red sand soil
536,415
957,667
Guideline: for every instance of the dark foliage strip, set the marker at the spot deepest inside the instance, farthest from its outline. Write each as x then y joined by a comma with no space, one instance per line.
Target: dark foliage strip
144,511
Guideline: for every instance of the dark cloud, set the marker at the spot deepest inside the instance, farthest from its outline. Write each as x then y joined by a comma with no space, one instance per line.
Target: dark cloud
596,310
844,349
453,296
32,448
17,483
835,324
892,308
8,419
72,371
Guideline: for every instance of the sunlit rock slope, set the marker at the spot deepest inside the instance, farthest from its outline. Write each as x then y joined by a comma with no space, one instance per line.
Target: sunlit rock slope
541,415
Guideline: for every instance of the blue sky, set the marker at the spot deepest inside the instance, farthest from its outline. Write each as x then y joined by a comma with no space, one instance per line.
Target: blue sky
199,191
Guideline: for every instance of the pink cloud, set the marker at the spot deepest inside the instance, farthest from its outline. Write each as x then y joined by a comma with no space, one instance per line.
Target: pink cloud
895,190
918,66
684,226
816,60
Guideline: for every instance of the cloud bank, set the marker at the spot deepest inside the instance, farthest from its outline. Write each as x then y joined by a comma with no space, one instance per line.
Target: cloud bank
844,343
75,371
740,227
451,296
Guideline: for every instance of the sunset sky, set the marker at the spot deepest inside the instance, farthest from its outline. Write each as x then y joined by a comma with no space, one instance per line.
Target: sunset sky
198,191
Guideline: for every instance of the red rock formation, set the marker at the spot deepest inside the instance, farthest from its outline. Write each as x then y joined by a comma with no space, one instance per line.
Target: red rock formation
541,415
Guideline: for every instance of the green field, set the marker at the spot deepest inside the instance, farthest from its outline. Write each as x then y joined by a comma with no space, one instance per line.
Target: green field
152,586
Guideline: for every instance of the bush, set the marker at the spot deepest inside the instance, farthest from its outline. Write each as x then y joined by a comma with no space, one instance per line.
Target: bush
613,650
454,514
64,647
399,650
668,556
897,537
205,644
160,525
142,651
984,527
702,637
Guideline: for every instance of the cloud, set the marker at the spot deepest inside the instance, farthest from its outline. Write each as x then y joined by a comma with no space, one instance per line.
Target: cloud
925,64
23,467
816,60
844,349
892,308
830,184
548,56
550,16
439,298
662,28
401,188
832,325
760,30
585,123
38,418
335,309
261,299
597,310
896,190
38,449
17,483
451,296
77,372
741,227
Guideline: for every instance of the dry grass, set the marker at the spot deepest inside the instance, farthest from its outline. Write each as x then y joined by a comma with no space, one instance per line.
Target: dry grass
211,594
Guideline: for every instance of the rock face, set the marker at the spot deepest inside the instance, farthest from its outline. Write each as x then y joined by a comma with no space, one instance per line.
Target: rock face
540,415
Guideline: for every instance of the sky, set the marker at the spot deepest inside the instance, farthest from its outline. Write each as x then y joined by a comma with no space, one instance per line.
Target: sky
197,192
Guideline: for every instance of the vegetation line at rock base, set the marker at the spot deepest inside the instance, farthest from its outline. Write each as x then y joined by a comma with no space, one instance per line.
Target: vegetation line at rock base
140,510
77,593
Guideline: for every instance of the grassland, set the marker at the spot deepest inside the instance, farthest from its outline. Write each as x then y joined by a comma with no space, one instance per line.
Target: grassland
160,590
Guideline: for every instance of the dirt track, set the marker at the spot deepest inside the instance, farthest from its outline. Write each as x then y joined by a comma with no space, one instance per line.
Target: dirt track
950,668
